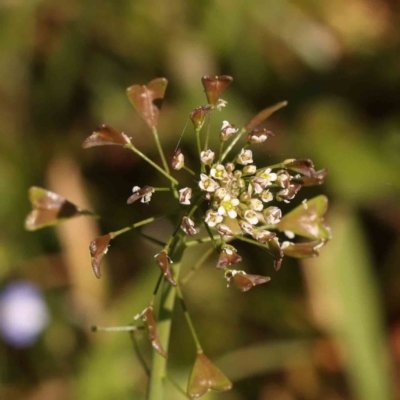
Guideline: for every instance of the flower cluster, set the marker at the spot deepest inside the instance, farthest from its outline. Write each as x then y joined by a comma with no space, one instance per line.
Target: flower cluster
233,197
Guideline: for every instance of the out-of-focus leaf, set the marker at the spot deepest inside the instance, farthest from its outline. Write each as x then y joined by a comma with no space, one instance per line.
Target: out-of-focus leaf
147,99
245,282
346,300
49,209
214,86
264,114
206,376
333,135
302,250
98,248
105,135
307,219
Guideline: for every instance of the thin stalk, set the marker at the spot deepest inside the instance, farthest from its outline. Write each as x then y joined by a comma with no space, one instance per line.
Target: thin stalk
130,146
162,189
199,263
159,148
127,328
177,387
167,302
139,355
189,170
211,236
221,148
137,224
197,131
195,242
210,114
152,239
189,320
234,141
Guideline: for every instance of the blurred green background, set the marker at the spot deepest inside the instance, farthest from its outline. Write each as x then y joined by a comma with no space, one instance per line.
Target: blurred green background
326,328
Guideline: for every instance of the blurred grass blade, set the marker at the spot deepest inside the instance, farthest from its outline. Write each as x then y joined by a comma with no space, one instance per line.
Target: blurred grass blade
345,301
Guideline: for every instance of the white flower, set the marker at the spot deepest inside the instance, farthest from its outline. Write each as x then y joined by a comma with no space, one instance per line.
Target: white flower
266,196
187,226
268,176
208,184
228,206
255,204
224,230
218,172
178,161
283,179
272,215
245,157
251,217
213,218
207,157
227,130
246,227
258,136
262,235
220,193
185,195
221,103
305,205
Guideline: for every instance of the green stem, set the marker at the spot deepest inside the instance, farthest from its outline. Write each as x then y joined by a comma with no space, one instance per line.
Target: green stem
198,264
130,146
221,148
189,320
139,354
234,141
208,128
167,302
189,170
160,150
137,224
177,387
197,131
127,328
195,242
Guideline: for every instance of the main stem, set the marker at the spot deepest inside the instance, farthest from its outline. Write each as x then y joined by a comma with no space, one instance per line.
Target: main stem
167,302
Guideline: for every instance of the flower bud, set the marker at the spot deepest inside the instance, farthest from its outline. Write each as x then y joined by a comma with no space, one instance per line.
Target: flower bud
224,230
245,157
185,195
227,131
178,160
249,170
207,157
188,226
258,136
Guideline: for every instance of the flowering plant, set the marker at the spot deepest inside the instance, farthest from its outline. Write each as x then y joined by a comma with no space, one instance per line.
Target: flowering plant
232,198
